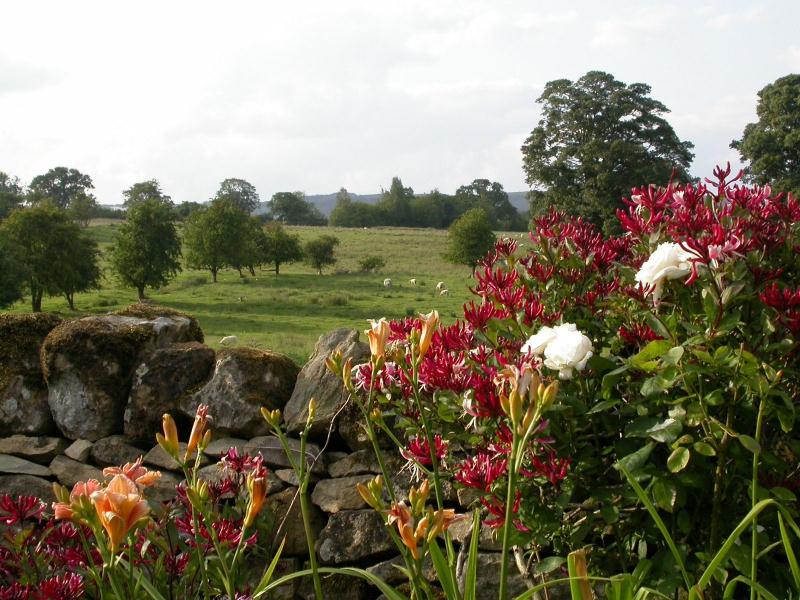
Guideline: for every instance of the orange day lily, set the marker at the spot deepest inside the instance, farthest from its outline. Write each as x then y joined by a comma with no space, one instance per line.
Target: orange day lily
429,324
199,433
77,501
377,335
411,537
120,508
257,487
134,471
169,441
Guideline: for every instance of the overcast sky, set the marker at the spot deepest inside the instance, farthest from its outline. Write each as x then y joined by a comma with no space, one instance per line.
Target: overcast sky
316,95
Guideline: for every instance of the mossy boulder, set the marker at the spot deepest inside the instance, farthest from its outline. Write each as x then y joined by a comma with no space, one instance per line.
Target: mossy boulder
244,380
143,310
23,391
161,379
88,364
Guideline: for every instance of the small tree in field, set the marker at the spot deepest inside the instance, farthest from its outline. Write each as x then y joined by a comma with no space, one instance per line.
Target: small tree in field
12,274
80,275
320,252
470,237
279,246
148,250
218,236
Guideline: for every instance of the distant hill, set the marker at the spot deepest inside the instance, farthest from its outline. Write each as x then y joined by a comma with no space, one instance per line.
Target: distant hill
326,202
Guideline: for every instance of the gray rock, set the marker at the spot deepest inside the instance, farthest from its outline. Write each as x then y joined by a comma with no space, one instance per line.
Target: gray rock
388,570
467,496
221,446
27,485
162,377
39,449
352,429
244,380
114,451
269,446
336,455
163,490
488,540
23,393
288,520
158,457
88,365
20,466
315,381
290,477
357,463
287,591
489,578
79,450
353,535
333,495
69,472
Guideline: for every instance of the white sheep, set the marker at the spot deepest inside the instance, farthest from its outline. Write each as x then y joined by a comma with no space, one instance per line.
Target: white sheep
412,281
440,286
387,283
444,292
229,340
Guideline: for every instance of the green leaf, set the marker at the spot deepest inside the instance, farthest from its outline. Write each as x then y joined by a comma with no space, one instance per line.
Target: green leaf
548,565
731,291
646,359
658,326
704,449
265,579
443,572
783,494
673,357
634,461
790,555
610,513
749,443
665,494
665,431
603,405
611,379
471,579
678,460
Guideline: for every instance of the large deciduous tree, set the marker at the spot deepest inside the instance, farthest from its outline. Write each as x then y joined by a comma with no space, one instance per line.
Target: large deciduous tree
320,252
60,185
215,238
491,197
143,191
771,145
147,250
241,193
469,238
12,272
279,246
51,250
598,138
10,194
292,208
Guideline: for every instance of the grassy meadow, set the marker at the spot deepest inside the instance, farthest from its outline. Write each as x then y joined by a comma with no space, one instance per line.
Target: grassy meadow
288,313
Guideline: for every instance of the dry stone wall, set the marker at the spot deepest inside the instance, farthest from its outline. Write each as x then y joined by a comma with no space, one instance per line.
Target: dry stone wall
79,395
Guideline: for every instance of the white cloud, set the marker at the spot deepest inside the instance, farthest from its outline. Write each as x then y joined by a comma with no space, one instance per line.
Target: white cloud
633,29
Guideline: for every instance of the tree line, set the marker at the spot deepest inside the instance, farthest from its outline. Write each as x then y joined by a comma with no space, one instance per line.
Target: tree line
597,138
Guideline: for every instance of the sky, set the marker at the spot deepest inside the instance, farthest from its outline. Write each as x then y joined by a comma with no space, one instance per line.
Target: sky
316,95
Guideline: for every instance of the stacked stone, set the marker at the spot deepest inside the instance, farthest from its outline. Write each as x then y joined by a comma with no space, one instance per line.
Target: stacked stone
80,395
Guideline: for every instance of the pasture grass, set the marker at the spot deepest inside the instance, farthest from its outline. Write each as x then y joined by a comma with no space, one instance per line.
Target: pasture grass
288,313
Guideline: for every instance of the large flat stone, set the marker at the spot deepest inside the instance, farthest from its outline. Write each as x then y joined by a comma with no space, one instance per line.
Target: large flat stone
352,536
333,495
69,472
39,449
20,466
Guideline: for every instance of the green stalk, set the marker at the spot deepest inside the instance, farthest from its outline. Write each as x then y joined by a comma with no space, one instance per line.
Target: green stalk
510,494
304,509
754,490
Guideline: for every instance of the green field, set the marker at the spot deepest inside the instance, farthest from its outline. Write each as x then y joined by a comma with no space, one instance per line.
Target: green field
288,313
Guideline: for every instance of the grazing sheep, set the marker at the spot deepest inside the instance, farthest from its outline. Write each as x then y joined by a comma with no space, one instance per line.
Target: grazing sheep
412,281
387,283
229,340
444,292
440,286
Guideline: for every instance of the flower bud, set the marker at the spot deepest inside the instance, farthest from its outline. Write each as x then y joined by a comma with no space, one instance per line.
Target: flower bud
334,363
347,374
273,417
168,441
312,411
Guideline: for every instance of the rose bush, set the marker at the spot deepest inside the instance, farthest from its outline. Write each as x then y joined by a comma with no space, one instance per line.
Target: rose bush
692,386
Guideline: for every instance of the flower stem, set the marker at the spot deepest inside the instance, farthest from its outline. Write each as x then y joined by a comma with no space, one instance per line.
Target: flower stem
509,516
753,500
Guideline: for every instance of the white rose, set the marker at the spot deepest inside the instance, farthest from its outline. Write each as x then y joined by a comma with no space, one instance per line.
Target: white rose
537,342
565,348
669,261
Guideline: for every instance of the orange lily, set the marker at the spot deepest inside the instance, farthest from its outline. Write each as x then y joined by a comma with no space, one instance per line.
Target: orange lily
429,324
198,430
134,471
168,441
257,487
377,335
120,508
442,519
77,501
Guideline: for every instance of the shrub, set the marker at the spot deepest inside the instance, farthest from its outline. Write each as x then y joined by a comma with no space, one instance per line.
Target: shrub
371,264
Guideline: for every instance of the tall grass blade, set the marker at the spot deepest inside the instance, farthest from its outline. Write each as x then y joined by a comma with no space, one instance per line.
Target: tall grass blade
471,579
730,589
579,586
443,572
790,556
659,523
267,577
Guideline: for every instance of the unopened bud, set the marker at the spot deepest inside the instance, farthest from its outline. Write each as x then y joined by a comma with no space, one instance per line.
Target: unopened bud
312,410
273,417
